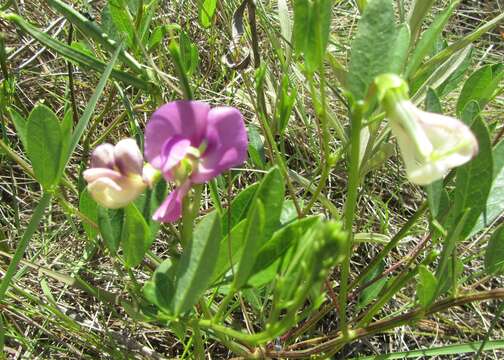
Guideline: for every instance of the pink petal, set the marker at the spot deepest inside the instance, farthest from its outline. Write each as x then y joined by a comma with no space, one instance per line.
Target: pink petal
103,156
186,119
128,157
93,174
171,209
226,143
174,151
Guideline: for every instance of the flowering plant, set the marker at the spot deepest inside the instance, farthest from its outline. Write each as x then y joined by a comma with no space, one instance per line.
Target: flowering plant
190,143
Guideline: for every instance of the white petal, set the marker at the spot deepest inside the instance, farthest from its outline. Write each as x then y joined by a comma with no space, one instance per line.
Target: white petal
113,195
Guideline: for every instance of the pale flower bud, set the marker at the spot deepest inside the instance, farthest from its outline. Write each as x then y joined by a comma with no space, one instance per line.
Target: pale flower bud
434,143
115,177
431,144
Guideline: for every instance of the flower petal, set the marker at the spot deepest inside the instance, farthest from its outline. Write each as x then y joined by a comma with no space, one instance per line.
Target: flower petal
171,209
173,152
226,143
113,195
103,156
93,174
447,133
182,118
128,157
434,144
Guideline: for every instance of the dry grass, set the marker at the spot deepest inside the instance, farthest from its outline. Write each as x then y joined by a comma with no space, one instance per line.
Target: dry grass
47,320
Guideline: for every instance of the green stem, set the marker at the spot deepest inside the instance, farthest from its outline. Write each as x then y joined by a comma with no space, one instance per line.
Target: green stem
326,159
392,244
23,244
190,208
380,326
350,205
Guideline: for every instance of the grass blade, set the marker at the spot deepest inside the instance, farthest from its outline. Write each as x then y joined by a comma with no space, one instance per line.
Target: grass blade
72,54
23,244
438,351
90,107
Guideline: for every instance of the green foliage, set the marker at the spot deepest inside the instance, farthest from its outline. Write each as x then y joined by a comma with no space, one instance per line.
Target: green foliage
271,191
419,10
429,37
371,292
110,223
426,287
474,180
195,267
20,123
44,140
276,253
135,237
312,20
494,205
207,12
256,147
372,48
494,254
480,86
89,208
253,231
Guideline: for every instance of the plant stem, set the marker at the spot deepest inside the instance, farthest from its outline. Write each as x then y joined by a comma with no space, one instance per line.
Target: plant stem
189,212
350,205
382,325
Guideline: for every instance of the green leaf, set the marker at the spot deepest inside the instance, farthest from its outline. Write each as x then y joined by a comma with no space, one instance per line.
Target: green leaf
256,147
429,37
271,192
148,203
480,86
206,12
279,249
20,124
458,45
445,281
253,231
196,266
494,205
371,292
188,54
120,15
44,145
419,10
110,223
160,289
494,254
287,99
400,49
239,208
435,189
474,180
230,250
471,111
426,287
135,236
452,82
373,47
432,102
89,207
312,21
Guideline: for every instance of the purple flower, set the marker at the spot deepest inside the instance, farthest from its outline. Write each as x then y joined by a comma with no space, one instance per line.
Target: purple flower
115,176
190,143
